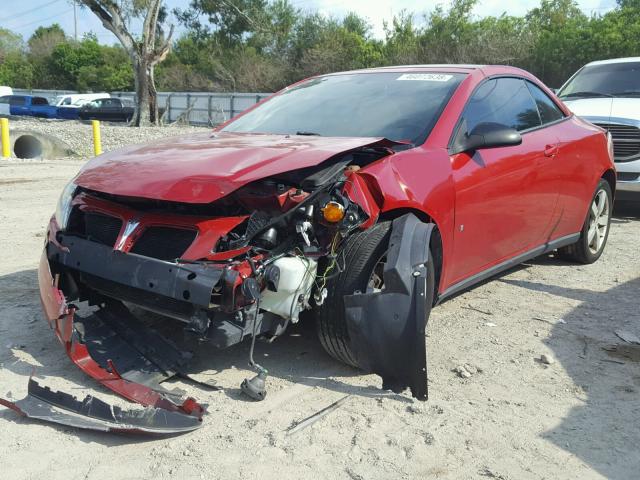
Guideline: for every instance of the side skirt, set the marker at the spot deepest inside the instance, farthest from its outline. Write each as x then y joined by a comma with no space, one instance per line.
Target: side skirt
506,265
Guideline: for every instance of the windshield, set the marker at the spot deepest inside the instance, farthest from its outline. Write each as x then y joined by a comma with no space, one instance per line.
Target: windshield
608,80
398,106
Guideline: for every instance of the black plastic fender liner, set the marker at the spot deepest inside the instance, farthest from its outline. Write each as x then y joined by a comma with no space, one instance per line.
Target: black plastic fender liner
387,328
42,403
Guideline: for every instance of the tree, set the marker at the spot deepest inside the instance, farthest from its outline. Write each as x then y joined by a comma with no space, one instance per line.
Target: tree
563,40
45,39
228,21
10,43
16,71
145,51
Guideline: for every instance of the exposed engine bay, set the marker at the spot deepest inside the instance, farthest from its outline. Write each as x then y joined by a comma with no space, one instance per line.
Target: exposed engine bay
283,233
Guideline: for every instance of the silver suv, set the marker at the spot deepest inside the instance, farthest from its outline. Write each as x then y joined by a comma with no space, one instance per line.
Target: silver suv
607,93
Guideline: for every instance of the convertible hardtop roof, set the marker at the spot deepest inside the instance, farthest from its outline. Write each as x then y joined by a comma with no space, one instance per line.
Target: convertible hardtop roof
461,68
413,68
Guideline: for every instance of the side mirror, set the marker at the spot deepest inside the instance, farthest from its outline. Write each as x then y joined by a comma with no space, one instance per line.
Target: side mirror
490,135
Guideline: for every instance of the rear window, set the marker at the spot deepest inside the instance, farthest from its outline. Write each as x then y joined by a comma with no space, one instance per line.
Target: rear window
398,106
17,100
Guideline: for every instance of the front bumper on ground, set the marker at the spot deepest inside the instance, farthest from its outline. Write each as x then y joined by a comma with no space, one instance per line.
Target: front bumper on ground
119,374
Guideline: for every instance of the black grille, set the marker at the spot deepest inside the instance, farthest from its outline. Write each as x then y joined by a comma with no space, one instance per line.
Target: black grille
164,243
626,141
96,227
628,176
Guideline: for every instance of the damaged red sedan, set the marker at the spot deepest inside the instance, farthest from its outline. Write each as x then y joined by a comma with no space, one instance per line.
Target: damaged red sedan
365,197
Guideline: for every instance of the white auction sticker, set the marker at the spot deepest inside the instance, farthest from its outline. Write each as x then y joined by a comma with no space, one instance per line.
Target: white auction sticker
425,77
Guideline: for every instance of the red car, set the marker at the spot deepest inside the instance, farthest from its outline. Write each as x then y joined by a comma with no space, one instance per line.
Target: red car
363,197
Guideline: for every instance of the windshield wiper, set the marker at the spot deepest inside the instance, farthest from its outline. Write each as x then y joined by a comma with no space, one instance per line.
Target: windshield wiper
587,94
630,93
309,134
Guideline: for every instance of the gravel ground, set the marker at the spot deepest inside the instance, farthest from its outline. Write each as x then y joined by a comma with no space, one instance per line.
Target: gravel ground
79,135
521,384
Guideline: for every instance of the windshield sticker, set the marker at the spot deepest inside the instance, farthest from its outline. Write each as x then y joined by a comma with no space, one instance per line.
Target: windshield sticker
426,77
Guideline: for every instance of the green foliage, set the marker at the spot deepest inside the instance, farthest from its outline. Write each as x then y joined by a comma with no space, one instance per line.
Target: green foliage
9,43
263,45
15,71
52,60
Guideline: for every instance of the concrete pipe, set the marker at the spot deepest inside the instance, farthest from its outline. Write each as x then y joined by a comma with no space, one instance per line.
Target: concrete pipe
31,145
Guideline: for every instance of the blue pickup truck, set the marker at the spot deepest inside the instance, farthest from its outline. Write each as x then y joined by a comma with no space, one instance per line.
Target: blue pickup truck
30,106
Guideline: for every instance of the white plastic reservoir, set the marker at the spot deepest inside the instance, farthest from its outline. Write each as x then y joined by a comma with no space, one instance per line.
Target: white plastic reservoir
297,275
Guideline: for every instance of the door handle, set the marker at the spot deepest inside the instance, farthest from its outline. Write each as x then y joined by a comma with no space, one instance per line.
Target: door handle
551,150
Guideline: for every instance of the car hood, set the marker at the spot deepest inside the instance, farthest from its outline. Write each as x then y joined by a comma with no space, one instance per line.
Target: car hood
202,168
606,108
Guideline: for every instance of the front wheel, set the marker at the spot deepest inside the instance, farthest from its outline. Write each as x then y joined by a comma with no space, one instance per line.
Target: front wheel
362,258
595,230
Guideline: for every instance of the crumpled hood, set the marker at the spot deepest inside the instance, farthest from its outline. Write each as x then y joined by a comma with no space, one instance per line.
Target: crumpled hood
606,108
202,168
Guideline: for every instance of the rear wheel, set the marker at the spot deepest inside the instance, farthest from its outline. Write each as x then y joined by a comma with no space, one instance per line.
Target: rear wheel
595,230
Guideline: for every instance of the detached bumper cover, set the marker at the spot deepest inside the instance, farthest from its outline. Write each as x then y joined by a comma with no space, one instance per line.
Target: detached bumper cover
387,328
117,368
43,404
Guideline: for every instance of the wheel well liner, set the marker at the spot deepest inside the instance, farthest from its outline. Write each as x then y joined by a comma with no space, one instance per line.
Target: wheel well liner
437,251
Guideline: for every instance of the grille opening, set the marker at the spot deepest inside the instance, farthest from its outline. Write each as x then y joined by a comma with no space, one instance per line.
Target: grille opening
626,141
96,227
164,243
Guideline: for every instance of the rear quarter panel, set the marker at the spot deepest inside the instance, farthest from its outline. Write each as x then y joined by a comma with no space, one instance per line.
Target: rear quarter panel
583,159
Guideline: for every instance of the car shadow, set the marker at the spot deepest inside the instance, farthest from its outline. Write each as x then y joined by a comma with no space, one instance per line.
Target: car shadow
624,212
606,374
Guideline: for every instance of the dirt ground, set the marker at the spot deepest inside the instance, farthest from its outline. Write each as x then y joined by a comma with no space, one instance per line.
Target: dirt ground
514,417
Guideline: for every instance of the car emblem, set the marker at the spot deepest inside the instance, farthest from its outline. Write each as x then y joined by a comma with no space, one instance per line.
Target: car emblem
129,228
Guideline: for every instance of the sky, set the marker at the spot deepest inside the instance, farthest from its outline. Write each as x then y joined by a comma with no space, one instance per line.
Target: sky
25,16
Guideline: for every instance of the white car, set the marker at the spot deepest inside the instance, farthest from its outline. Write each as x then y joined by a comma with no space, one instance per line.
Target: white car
607,93
76,100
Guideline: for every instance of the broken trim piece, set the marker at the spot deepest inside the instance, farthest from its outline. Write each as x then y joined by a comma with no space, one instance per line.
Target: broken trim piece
42,403
387,328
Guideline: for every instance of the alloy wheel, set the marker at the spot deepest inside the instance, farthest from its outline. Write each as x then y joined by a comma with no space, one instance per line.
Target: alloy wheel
598,221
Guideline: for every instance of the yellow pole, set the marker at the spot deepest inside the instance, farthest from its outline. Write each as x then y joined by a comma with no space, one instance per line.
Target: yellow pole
97,143
4,133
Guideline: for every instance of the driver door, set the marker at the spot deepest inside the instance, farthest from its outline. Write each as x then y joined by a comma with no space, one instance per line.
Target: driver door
502,204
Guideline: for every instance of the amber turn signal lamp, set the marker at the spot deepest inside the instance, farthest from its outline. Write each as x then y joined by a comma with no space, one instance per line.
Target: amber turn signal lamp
333,212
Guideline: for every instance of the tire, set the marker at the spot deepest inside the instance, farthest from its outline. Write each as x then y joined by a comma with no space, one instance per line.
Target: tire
588,248
362,251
